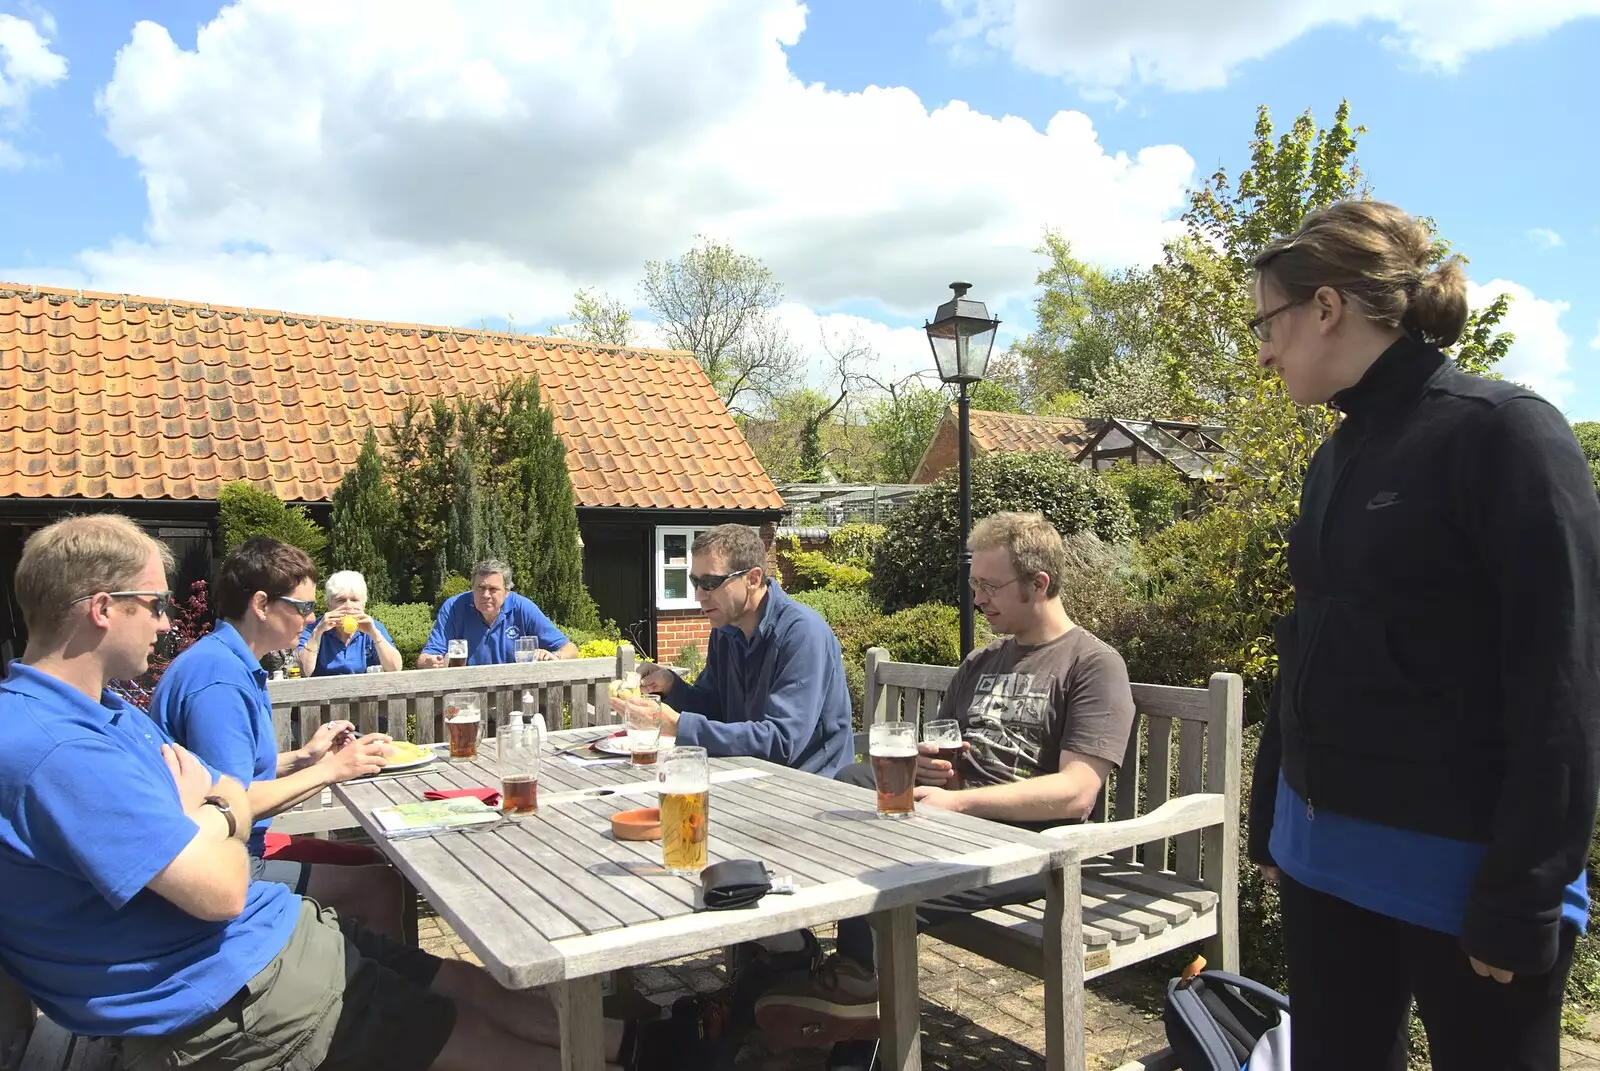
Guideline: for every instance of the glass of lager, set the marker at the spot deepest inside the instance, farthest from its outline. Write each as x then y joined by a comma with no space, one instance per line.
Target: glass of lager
892,746
684,779
946,736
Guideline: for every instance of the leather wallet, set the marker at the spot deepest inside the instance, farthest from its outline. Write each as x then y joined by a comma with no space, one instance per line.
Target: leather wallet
734,883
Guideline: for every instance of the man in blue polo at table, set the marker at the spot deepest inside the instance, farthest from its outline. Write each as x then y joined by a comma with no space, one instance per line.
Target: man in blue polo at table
773,685
491,618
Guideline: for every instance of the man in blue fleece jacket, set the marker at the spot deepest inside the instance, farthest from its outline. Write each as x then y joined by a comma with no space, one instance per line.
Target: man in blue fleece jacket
773,685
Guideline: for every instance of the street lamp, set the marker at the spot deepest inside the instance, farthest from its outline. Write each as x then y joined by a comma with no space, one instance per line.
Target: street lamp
962,334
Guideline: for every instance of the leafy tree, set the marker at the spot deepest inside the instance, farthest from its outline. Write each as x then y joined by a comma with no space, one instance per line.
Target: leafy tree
1588,433
364,522
916,560
1156,493
718,304
486,476
902,424
245,511
995,396
598,317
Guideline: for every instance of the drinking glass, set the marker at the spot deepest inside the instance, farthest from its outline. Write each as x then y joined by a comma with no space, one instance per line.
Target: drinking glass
456,655
463,714
526,647
684,778
892,747
945,735
642,718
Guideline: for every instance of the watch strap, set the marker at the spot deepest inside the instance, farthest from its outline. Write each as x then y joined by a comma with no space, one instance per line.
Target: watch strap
227,812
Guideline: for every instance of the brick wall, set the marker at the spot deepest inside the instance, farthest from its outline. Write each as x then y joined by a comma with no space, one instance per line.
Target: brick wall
675,629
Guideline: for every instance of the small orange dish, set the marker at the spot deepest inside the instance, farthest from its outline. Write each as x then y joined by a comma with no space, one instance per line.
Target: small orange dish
642,824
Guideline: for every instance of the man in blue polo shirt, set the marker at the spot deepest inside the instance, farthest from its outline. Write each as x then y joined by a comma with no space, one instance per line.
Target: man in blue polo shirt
213,700
128,911
491,618
773,685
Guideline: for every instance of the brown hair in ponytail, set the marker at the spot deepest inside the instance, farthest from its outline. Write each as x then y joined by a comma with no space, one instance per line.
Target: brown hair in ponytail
1379,257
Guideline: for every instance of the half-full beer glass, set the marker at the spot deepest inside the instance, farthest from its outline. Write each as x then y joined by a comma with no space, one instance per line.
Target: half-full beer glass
945,735
684,779
455,654
892,746
462,718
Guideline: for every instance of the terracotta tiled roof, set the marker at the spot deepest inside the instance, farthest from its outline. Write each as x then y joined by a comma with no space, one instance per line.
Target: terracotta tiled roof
111,396
1009,433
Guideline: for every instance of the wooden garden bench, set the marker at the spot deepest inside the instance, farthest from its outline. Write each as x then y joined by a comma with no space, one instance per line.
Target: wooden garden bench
572,693
1160,856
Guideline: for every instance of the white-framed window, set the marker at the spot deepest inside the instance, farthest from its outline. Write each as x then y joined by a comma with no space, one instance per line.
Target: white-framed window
672,568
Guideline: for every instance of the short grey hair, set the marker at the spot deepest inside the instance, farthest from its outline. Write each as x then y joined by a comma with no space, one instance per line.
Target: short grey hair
490,567
346,582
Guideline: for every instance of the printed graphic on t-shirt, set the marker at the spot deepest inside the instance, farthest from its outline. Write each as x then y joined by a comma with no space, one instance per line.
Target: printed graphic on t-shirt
1006,721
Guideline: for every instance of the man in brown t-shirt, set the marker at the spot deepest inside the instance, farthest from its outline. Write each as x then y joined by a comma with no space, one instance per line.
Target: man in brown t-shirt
1046,713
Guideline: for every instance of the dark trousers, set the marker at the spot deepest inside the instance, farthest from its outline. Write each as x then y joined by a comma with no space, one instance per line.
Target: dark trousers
855,935
1353,974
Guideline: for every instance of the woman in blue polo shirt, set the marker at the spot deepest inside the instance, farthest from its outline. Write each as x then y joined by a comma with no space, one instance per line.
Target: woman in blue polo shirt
326,649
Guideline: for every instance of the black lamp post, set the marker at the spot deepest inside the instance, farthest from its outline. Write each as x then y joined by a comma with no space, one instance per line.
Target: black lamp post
962,334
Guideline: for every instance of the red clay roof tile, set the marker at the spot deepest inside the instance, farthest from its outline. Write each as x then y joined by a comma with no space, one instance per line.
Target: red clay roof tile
105,395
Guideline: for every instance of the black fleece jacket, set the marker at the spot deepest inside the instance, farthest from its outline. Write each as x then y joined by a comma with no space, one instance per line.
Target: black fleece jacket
1441,669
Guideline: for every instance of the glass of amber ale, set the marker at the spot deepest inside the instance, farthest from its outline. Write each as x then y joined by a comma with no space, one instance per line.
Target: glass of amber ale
892,746
945,735
684,779
462,718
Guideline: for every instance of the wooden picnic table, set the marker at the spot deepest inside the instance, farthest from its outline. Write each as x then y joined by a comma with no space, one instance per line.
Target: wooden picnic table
553,900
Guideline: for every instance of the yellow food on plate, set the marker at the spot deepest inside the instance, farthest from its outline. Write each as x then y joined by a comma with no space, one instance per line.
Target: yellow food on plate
404,751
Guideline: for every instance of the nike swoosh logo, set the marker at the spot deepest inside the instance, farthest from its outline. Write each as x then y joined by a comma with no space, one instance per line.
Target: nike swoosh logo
1383,500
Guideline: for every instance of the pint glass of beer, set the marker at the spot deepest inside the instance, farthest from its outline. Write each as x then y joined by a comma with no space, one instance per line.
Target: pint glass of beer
685,783
462,718
946,736
456,654
892,746
643,722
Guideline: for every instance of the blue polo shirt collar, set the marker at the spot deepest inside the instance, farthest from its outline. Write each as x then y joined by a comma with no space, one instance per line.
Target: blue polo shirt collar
234,642
23,679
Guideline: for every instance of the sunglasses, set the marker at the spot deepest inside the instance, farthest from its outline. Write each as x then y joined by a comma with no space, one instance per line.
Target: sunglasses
303,606
163,599
713,581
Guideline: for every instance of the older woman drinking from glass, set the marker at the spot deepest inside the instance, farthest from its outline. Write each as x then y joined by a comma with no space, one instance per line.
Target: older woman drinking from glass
345,639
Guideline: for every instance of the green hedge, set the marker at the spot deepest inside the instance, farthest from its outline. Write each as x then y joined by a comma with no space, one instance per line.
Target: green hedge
409,624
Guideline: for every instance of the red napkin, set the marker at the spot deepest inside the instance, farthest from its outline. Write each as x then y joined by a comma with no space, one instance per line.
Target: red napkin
489,796
312,850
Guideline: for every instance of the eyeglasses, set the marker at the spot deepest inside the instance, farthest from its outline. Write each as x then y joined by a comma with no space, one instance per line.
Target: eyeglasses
989,588
163,599
1261,326
713,581
304,607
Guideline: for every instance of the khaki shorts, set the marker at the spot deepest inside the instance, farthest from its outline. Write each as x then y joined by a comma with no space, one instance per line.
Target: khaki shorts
337,998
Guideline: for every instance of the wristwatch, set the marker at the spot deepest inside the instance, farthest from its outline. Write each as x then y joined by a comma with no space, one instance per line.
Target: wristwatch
226,811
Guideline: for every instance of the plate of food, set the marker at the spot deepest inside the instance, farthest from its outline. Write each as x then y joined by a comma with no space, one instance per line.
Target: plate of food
617,744
403,755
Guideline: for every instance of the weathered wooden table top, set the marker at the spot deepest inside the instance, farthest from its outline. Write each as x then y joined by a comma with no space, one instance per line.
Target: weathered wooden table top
552,896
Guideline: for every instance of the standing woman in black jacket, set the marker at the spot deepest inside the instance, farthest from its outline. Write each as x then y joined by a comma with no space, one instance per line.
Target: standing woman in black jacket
1426,786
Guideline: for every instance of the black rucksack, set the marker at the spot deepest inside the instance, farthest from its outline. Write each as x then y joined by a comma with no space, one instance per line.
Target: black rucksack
1216,1020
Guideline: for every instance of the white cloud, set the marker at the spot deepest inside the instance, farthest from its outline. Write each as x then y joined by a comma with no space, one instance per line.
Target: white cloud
1545,238
1539,355
26,64
446,160
1181,44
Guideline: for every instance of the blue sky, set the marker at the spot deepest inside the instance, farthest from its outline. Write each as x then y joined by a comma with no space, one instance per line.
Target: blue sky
481,159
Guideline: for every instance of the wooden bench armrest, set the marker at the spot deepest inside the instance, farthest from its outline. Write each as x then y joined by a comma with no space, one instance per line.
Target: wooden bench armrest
1185,814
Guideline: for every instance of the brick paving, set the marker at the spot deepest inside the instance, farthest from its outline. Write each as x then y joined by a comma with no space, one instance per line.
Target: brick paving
976,1015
